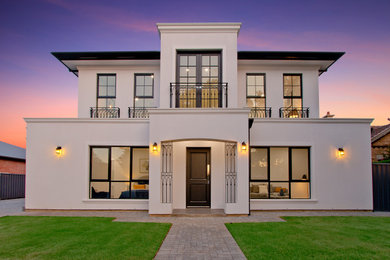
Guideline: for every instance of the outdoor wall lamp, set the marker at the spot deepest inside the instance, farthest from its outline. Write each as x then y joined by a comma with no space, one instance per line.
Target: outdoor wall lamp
244,146
59,151
341,152
155,147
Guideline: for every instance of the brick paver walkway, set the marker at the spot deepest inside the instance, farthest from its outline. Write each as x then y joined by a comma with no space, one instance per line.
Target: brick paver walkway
189,237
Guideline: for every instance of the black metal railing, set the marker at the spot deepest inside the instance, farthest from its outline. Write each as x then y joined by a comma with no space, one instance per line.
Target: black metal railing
294,112
105,112
260,112
138,112
198,95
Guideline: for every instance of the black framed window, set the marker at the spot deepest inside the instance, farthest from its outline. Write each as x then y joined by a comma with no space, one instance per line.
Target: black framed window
292,90
119,172
280,173
106,90
199,77
143,90
255,90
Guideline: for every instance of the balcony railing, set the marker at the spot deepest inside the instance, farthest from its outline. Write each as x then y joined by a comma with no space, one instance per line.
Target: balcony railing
138,112
105,112
294,112
198,95
260,112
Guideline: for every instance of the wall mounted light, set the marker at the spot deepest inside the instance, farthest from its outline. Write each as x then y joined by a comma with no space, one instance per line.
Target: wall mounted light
341,152
155,147
244,146
59,151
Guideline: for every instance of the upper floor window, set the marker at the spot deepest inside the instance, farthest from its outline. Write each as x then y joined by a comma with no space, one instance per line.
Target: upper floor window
198,80
143,90
106,90
255,90
292,90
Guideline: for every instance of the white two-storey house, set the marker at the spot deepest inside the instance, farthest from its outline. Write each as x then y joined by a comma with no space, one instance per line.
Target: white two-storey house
198,124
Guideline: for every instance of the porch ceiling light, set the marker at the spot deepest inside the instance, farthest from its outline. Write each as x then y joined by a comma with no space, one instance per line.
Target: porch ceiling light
243,146
155,147
59,151
341,152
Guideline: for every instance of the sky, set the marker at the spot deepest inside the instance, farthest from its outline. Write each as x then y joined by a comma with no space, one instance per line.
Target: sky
34,84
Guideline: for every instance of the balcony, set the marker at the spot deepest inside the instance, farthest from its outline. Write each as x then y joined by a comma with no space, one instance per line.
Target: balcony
105,112
198,95
294,112
139,112
260,112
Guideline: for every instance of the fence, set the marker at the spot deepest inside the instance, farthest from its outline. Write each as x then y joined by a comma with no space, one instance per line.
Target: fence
381,186
12,186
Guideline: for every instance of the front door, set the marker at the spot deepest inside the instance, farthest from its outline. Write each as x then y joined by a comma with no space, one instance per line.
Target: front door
198,80
198,177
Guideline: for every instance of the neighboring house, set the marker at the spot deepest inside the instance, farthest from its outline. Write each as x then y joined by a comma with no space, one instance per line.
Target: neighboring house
380,142
198,124
12,159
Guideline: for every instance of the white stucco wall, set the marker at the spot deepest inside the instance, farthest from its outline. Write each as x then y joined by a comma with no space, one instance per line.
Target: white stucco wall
274,85
194,124
198,37
336,183
63,183
87,89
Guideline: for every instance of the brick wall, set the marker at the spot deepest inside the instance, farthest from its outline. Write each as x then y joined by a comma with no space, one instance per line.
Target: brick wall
379,147
12,166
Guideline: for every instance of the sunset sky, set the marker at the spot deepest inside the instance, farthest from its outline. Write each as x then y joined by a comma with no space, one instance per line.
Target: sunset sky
35,84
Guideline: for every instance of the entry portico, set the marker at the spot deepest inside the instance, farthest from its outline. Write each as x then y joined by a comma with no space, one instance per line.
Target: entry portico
222,131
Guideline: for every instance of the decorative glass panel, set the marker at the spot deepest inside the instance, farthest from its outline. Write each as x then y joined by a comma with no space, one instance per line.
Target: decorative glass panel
120,190
139,190
120,163
300,164
259,163
99,163
279,164
99,190
140,164
279,190
259,190
300,190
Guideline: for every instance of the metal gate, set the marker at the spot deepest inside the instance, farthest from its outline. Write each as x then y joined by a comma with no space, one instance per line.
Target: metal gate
381,186
12,186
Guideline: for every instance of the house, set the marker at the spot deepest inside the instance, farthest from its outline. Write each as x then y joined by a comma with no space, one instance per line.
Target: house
12,159
198,124
380,142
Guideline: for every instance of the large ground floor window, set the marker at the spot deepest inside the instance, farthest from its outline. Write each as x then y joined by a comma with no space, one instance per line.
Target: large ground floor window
119,172
280,173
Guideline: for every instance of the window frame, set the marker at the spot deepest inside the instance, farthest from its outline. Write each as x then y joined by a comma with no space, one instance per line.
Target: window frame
264,88
109,180
301,89
135,97
290,180
98,96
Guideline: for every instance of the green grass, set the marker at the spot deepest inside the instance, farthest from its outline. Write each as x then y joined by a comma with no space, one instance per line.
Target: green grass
315,238
24,237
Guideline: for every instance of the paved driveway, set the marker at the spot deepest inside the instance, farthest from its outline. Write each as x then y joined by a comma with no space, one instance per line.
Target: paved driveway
11,207
189,237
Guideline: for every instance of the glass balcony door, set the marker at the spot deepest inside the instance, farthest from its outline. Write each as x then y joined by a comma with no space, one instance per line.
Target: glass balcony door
198,80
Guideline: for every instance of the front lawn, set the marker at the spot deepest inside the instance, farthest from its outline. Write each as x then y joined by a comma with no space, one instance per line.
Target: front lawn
23,237
315,238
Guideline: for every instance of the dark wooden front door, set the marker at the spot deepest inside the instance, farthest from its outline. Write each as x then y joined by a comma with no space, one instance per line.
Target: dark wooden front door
198,176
